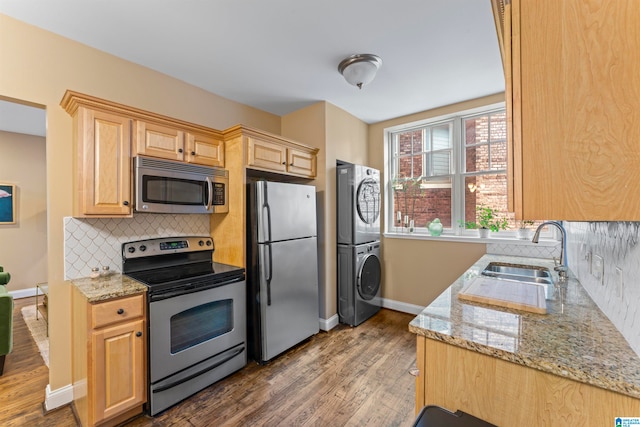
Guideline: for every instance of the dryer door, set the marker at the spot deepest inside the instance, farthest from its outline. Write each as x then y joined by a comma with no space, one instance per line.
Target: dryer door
368,201
369,276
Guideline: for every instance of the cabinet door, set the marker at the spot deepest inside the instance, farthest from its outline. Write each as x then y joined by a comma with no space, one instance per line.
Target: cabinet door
576,109
301,162
118,369
159,141
267,155
104,146
204,150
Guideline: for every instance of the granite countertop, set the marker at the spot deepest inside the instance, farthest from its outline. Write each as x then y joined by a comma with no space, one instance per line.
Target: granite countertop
574,339
107,287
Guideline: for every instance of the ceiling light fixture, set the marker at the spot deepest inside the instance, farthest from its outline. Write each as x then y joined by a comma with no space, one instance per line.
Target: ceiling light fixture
360,69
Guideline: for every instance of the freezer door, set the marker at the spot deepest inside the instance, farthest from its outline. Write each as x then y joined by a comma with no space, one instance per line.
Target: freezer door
288,294
285,211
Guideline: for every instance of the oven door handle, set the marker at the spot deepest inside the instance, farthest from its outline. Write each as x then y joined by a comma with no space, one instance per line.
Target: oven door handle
172,384
183,291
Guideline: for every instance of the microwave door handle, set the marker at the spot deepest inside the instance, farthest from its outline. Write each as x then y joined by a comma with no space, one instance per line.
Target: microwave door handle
209,193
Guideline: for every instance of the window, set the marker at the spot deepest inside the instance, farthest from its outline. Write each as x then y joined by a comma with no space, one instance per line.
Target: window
447,168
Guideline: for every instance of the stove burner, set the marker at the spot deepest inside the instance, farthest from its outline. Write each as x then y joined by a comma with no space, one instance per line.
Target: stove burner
187,266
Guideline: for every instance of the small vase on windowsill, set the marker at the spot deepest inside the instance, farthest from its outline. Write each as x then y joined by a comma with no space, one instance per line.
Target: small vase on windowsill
435,227
484,233
523,233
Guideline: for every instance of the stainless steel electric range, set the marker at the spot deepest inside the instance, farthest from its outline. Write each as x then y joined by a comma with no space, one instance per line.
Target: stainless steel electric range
197,315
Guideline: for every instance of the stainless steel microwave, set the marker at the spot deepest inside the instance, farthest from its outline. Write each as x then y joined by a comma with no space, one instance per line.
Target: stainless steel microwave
167,186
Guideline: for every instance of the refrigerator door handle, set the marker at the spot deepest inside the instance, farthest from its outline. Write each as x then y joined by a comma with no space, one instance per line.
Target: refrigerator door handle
268,264
266,227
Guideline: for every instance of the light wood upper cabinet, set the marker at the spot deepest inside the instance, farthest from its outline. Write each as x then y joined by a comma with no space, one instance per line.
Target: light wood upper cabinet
169,142
204,149
301,162
253,152
274,153
106,133
109,359
268,155
103,176
159,141
572,98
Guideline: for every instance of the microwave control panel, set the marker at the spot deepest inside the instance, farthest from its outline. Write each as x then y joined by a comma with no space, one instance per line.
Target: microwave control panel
218,194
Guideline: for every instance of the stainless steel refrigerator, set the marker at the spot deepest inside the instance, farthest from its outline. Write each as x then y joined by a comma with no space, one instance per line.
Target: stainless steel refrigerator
282,273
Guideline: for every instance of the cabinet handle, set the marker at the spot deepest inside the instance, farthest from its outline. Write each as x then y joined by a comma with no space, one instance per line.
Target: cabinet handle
179,150
138,334
126,203
120,311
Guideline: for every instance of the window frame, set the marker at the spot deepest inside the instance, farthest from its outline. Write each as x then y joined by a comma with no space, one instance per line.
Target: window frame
458,171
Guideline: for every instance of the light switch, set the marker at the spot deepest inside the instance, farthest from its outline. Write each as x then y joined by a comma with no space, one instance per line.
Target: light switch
598,268
619,283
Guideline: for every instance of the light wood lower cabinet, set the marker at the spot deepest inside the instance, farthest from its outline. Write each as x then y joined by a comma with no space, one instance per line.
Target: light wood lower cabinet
508,394
109,359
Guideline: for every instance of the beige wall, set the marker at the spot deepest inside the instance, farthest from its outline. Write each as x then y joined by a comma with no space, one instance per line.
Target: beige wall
23,251
340,136
38,66
416,271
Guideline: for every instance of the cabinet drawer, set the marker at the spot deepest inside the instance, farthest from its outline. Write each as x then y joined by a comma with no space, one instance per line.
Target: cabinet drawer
109,312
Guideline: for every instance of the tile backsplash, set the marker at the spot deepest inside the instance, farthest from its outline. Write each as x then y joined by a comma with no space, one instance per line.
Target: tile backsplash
525,249
617,244
97,242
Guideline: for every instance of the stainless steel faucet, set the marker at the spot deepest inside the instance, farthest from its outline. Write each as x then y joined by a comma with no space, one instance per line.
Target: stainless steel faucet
562,269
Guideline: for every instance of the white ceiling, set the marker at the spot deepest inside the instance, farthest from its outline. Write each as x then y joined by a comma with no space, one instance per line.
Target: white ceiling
282,55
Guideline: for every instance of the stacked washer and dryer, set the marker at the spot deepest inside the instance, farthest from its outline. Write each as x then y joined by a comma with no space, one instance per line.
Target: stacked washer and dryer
358,225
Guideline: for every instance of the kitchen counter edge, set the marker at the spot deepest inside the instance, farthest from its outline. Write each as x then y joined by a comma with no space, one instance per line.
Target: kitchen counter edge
109,287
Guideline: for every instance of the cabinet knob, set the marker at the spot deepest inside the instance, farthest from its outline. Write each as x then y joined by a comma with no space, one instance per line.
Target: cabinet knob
284,163
193,153
120,311
179,150
138,334
126,203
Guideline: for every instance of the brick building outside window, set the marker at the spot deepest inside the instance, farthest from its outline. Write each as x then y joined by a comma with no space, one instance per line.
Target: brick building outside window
445,168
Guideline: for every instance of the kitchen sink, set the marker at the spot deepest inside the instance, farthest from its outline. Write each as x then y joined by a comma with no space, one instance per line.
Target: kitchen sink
519,272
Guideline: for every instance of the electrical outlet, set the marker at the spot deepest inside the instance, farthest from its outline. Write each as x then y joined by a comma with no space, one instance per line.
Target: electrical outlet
619,283
597,268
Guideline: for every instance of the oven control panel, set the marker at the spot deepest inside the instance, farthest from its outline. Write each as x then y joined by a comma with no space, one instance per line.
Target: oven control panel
175,244
168,245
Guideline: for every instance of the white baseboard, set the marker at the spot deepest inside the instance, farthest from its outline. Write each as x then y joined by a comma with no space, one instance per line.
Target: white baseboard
402,306
23,293
328,324
332,322
57,398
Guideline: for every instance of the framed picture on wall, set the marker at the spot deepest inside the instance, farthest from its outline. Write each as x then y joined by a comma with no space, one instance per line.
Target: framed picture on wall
7,204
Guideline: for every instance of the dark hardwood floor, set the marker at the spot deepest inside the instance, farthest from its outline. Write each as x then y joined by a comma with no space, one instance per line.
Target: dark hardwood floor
24,380
346,377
